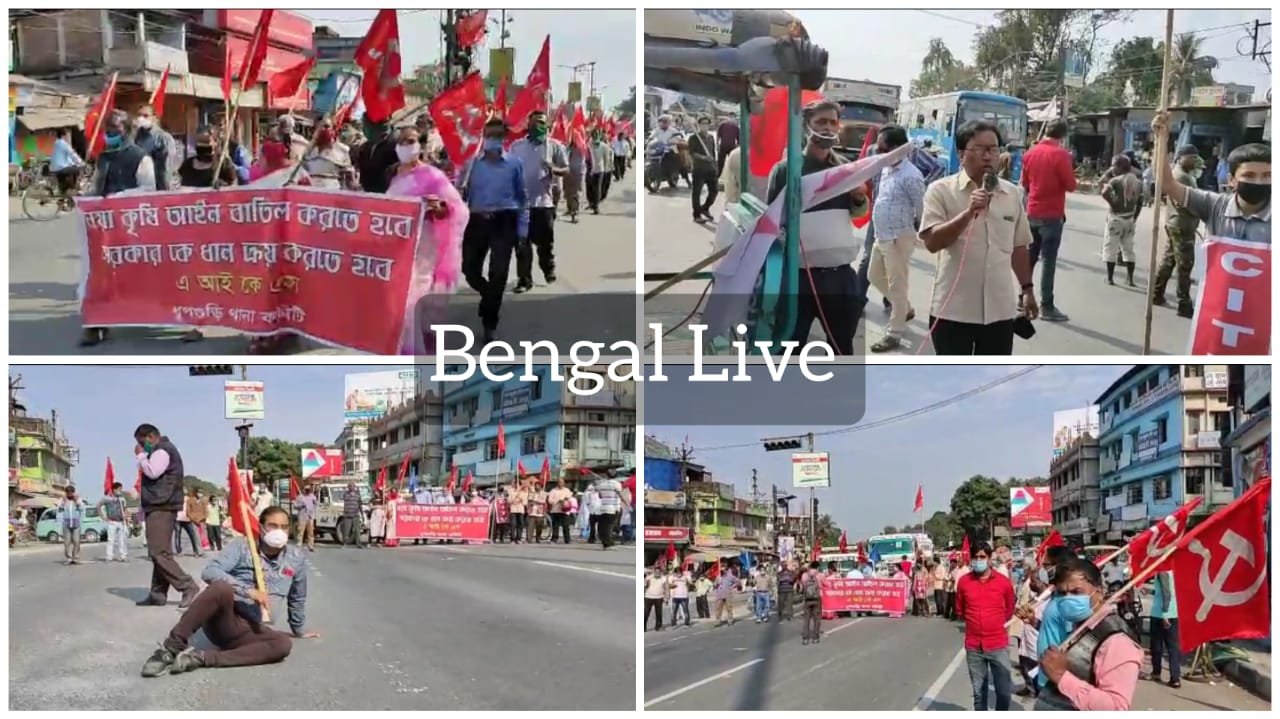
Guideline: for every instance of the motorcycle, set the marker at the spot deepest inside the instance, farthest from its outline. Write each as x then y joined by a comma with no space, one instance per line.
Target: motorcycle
1128,606
662,164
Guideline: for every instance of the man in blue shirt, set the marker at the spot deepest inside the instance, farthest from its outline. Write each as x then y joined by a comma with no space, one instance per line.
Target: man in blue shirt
65,163
496,195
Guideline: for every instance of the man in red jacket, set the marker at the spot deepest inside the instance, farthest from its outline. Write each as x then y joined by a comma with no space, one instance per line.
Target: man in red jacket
984,599
1047,176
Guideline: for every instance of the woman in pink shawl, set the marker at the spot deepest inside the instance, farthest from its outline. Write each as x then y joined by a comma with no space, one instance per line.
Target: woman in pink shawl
438,262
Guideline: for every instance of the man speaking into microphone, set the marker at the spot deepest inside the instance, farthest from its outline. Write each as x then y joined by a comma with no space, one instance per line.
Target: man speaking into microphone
976,224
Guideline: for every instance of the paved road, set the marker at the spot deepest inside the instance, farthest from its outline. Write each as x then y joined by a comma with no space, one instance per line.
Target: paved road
438,627
1104,319
593,298
869,663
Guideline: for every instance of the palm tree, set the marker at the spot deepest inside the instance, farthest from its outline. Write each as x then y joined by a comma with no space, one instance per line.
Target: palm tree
1187,68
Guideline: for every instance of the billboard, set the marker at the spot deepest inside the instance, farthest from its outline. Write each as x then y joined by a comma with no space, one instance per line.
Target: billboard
369,395
244,400
810,469
1030,507
321,462
1069,424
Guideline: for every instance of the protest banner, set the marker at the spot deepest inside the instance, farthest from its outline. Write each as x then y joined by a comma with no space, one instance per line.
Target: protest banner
332,266
1233,307
865,595
467,522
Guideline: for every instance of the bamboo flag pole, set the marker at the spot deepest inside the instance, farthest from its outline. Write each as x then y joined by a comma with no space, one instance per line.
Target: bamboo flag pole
1162,162
258,577
102,116
311,145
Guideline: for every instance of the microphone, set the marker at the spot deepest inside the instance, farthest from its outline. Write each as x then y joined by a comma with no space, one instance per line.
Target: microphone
990,182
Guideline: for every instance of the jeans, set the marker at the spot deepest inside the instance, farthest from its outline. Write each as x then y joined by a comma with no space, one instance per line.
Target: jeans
1164,641
812,620
117,532
1046,238
985,667
190,529
761,605
678,605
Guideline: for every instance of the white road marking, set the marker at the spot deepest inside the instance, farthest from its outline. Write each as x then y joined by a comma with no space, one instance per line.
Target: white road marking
702,682
632,577
931,694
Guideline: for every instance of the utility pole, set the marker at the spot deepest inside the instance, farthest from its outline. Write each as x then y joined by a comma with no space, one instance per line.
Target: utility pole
795,442
502,31
449,30
686,454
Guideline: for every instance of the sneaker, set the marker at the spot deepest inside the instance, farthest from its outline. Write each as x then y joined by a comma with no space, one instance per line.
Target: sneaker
158,664
188,659
1051,314
886,344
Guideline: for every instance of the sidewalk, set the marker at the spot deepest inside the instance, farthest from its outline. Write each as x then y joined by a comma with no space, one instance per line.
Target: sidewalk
1253,671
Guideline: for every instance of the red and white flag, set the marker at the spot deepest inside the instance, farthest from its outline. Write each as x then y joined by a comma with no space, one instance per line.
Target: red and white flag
1053,540
502,440
471,29
96,118
1156,540
453,480
1233,308
533,96
460,111
1220,573
379,56
919,499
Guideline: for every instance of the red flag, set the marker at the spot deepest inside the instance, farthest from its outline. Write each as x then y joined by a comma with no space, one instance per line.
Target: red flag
862,220
466,483
1153,542
238,505
288,82
459,112
95,120
769,129
248,481
546,472
500,99
256,53
671,552
453,480
137,483
294,489
1220,573
471,29
108,479
964,550
560,127
919,499
1053,540
226,72
813,556
343,114
381,482
714,572
404,470
379,56
844,542
520,470
502,440
157,95
533,96
578,130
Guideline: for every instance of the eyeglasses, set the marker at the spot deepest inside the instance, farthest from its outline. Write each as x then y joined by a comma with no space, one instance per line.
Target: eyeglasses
985,150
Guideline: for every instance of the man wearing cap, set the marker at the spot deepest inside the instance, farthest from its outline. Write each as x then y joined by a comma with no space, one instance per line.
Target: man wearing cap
544,160
1181,229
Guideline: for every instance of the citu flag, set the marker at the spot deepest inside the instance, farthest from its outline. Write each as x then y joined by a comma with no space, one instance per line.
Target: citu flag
459,114
379,56
813,556
533,96
560,126
404,470
964,550
671,552
343,114
502,440
546,471
861,220
1154,541
1053,540
1220,573
95,119
844,542
919,499
500,99
714,572
578,130
769,129
294,488
239,507
157,96
471,29
108,479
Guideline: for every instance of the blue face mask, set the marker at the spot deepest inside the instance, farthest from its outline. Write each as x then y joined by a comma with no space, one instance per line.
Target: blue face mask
114,141
492,144
980,565
1043,575
1075,608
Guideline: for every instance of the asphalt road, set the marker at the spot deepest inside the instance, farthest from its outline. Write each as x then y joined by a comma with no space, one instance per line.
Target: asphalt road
868,663
438,627
1103,319
593,297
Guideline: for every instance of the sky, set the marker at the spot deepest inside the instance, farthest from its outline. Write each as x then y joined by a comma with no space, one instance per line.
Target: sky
99,407
607,37
1004,432
898,62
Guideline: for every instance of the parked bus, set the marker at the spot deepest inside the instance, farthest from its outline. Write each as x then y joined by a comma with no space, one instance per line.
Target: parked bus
936,118
896,548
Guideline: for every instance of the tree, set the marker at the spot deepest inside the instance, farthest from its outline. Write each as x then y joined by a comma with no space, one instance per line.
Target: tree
826,532
1187,68
889,529
426,81
979,504
1138,61
274,459
208,489
940,72
1023,53
942,529
626,108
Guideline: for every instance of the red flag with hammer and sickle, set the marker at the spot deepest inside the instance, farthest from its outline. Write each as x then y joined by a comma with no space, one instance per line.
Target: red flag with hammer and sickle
1220,574
379,56
1159,537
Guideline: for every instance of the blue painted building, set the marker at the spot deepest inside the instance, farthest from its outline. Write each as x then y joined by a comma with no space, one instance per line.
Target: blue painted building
1158,447
541,419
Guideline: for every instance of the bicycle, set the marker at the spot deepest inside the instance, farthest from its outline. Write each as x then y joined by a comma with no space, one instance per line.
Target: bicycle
44,200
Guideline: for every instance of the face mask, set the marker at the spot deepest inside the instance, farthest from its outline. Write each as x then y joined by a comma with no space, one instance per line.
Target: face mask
114,141
1254,193
492,144
1043,575
407,153
324,137
980,566
1075,607
1196,173
143,123
822,140
275,538
148,445
537,132
204,152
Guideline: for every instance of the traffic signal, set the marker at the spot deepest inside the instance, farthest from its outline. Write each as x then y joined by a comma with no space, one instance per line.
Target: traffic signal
777,445
208,370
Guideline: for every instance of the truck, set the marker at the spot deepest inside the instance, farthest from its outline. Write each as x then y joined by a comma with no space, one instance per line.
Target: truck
865,106
329,496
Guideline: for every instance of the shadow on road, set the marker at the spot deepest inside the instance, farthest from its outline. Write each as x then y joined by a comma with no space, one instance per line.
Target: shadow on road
757,680
42,291
133,594
948,707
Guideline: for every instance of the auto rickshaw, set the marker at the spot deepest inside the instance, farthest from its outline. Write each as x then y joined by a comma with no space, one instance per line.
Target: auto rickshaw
735,56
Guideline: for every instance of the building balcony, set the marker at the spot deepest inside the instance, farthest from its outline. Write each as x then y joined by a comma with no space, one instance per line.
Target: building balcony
150,55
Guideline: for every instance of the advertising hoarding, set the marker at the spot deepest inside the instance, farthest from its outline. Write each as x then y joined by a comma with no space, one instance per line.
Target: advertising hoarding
369,395
321,462
1030,507
810,469
1069,424
244,400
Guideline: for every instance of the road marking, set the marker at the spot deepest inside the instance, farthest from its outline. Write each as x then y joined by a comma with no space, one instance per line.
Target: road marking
931,694
695,685
632,577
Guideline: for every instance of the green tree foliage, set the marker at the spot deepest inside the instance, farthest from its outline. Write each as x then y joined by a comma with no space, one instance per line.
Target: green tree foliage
943,529
273,459
826,531
208,489
1023,53
979,505
626,108
889,529
941,72
1188,67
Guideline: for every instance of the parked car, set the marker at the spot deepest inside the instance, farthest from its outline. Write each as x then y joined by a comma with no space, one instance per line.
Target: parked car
92,526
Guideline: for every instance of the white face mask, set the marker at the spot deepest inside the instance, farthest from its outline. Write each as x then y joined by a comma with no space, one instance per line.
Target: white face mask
143,123
407,153
275,538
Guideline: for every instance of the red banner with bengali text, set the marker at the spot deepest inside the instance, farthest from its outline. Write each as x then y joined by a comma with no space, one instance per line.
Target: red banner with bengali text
467,522
329,265
865,595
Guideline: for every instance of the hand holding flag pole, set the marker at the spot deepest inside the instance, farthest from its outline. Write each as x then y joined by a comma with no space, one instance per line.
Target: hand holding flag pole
248,525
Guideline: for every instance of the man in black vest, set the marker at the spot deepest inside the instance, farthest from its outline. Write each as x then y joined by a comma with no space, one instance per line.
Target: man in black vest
162,474
122,166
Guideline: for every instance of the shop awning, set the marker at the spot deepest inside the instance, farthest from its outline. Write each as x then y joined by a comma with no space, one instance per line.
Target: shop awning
711,554
45,118
38,503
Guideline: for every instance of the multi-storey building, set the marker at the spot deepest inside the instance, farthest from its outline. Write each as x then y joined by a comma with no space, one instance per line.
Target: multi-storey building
354,441
413,429
1073,484
40,458
1248,443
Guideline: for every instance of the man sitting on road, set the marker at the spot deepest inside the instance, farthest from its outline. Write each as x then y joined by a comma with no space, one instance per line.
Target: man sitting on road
230,609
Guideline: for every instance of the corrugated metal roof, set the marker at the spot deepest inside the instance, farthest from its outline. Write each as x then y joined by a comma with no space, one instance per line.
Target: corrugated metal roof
45,118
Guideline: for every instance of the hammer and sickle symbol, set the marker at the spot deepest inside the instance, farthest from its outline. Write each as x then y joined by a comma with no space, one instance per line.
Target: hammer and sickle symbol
1154,548
1212,587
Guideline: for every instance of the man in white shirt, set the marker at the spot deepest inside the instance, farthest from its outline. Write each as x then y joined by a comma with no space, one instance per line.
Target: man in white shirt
656,591
601,171
678,584
621,152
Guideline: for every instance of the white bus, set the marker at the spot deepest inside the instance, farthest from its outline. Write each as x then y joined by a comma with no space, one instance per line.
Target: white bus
900,547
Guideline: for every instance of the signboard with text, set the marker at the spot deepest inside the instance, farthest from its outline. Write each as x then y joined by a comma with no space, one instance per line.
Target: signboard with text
666,534
1148,445
244,400
865,595
466,522
369,395
810,469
